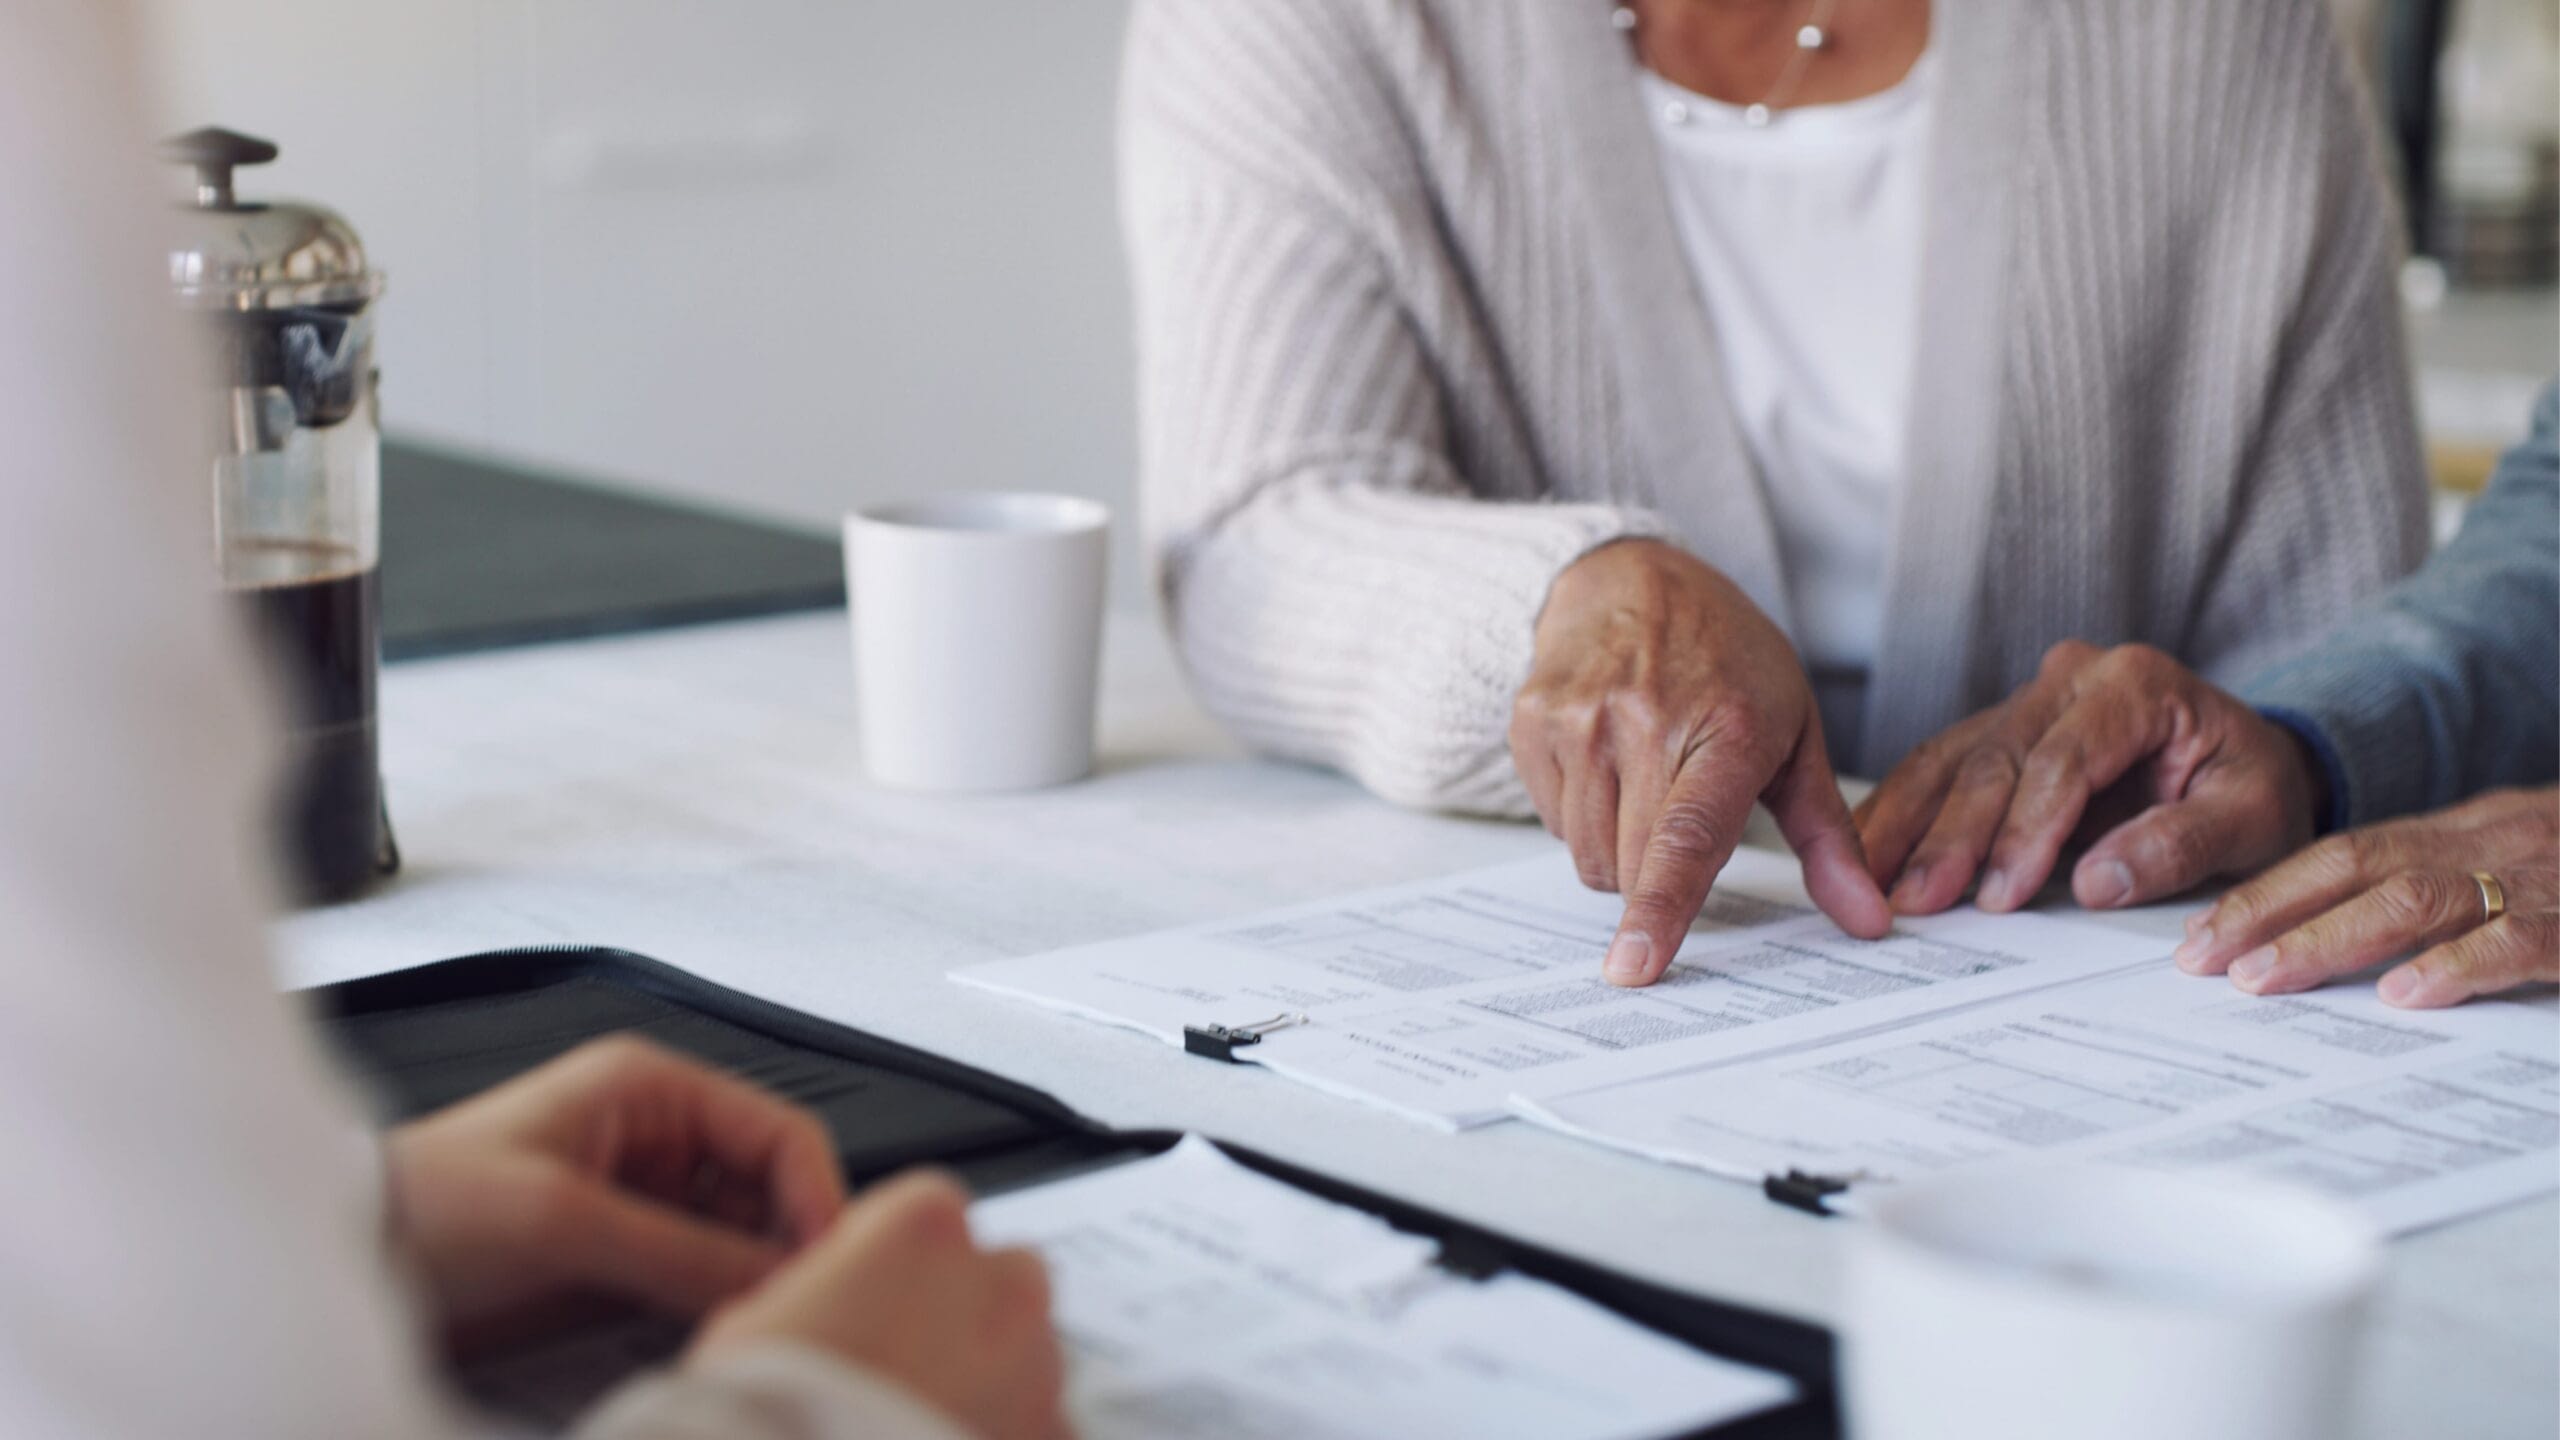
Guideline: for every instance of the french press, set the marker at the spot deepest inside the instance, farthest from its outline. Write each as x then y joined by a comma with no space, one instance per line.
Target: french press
284,290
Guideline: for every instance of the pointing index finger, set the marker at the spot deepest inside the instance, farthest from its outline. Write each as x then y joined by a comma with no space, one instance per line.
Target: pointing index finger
1694,834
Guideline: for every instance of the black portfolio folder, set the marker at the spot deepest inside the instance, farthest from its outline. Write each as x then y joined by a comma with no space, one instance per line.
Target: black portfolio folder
430,1036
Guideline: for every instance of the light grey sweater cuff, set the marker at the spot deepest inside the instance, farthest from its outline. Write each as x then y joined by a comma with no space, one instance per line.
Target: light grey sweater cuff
2361,728
1381,631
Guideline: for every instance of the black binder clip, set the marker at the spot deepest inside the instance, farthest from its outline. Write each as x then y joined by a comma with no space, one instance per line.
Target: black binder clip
1221,1042
1804,1192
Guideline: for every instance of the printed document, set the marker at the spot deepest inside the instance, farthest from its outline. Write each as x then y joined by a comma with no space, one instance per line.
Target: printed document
1199,1300
1777,1043
2416,1117
1444,1000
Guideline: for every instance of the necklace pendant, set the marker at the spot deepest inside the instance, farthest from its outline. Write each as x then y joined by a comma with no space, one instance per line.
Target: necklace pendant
1811,37
1757,117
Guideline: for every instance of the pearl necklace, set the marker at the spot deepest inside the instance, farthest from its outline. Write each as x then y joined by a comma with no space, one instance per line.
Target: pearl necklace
1810,38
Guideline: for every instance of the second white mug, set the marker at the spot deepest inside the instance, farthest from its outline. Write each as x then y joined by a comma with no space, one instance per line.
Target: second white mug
977,626
2095,1302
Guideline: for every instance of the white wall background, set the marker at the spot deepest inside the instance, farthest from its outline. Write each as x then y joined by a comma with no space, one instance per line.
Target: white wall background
786,255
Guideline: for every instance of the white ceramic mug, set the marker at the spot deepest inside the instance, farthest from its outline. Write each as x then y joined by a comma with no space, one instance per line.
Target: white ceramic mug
977,627
2093,1302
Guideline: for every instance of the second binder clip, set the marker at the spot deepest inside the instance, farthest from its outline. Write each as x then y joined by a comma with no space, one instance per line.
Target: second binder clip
1221,1042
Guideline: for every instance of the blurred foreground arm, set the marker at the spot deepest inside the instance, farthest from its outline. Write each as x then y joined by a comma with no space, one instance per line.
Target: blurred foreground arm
190,1242
191,1238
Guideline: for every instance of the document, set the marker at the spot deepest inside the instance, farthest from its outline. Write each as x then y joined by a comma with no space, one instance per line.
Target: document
1446,999
2416,1117
1198,1300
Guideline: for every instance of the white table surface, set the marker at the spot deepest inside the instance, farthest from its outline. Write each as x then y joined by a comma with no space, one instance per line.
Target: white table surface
696,795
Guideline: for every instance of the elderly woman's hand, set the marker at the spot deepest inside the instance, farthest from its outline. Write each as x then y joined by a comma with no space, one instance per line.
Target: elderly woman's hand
2407,887
1660,704
2218,790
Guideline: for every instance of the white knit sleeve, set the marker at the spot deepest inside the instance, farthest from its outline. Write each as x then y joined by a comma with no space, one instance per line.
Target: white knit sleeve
1337,590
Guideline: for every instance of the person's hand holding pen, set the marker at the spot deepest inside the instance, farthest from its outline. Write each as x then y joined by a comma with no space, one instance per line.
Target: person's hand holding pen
1660,705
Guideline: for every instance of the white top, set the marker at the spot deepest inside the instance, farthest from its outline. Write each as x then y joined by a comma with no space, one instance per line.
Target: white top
1805,236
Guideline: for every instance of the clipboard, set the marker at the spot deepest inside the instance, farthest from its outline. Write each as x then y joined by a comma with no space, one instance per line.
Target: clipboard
426,1037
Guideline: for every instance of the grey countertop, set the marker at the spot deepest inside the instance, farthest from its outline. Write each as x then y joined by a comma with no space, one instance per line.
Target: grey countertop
478,554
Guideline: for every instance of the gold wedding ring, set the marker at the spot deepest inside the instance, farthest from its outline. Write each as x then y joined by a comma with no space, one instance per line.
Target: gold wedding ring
2493,896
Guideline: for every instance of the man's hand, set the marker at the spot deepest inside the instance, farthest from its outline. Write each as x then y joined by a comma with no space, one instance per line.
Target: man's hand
2219,789
2404,887
1662,702
898,1288
619,1170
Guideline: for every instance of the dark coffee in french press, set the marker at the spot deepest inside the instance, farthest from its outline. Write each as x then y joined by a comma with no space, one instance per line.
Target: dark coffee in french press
285,295
329,814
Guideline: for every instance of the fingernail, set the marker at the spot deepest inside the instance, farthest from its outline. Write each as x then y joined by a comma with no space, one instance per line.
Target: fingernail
2251,968
1626,963
1993,891
2400,986
2110,883
2189,956
1906,892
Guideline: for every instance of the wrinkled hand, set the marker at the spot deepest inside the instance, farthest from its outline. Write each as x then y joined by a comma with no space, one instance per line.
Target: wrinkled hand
1660,703
618,1171
2400,888
2219,790
898,1288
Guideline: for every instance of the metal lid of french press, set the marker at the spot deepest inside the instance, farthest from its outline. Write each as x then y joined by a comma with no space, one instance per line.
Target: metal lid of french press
250,256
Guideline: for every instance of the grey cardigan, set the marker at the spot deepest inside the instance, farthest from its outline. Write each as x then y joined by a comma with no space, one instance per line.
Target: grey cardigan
1416,331
2449,682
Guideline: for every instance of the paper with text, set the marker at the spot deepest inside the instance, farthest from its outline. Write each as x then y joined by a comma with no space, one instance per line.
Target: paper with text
1198,1300
2417,1117
1442,1000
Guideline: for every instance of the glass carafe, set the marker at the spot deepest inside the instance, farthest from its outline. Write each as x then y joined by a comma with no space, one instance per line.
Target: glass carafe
296,471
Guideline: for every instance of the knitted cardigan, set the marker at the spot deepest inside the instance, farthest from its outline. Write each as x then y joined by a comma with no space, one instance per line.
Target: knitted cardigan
1416,331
